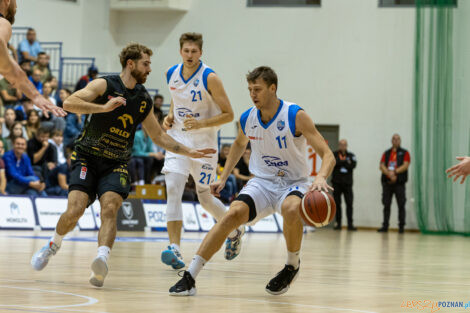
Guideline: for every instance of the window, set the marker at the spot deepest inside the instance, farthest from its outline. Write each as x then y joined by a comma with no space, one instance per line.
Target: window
412,3
283,3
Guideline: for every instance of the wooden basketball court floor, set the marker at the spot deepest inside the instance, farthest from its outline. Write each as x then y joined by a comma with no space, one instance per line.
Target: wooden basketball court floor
340,272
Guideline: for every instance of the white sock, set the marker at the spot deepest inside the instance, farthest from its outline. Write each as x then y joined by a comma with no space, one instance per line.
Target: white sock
293,258
140,182
103,252
57,239
196,265
232,234
175,246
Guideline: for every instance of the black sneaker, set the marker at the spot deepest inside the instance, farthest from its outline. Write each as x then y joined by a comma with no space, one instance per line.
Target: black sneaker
401,230
337,227
382,230
281,283
186,286
352,228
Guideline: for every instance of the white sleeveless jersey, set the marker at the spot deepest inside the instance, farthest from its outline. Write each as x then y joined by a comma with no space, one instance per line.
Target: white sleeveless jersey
191,97
275,150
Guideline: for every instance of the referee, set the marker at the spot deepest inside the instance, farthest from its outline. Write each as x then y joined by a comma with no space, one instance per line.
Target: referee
342,183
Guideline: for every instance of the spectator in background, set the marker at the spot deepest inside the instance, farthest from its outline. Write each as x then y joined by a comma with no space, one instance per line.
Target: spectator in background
7,122
242,169
394,167
29,48
32,123
73,128
57,140
157,107
21,110
143,159
42,154
64,93
17,130
231,186
35,78
43,66
342,180
55,93
84,80
26,67
3,179
13,52
19,172
52,122
59,178
2,139
9,94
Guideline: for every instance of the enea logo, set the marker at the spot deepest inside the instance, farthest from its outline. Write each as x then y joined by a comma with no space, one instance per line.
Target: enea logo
274,161
183,112
207,166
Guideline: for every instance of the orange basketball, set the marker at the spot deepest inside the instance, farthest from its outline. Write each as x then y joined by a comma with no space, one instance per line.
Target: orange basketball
318,208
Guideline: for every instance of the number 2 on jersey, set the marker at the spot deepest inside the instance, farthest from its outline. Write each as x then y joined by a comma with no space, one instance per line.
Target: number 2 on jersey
280,143
203,177
194,93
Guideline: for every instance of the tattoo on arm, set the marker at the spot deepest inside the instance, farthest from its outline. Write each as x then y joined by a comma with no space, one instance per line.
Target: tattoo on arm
177,148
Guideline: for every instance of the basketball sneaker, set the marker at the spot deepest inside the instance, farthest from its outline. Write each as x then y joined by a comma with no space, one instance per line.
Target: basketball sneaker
281,282
186,286
172,257
99,269
41,258
233,245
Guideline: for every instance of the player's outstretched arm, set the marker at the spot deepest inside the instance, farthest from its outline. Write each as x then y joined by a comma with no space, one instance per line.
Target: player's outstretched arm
15,75
80,101
162,139
217,91
236,152
306,127
461,169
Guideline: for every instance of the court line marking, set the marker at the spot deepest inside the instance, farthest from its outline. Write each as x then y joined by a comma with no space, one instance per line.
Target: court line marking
312,306
90,301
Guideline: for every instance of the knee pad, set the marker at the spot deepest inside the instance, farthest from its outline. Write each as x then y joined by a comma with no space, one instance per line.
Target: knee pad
174,189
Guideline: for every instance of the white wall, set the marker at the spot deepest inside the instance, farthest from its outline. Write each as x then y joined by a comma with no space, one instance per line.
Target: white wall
348,63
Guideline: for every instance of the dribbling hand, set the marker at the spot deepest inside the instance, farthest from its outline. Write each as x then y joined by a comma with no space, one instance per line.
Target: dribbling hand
217,187
168,122
113,104
320,184
47,106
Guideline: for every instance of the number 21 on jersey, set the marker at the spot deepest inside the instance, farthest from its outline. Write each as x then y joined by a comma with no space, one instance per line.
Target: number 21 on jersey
198,93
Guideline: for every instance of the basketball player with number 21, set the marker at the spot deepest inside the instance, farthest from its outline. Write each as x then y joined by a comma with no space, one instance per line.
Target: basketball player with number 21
278,132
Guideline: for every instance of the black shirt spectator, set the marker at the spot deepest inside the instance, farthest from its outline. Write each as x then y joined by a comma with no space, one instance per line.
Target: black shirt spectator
42,154
242,170
157,107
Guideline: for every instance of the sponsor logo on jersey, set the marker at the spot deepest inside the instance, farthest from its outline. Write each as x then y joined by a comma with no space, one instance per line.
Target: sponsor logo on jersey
281,173
254,126
254,138
207,167
119,132
124,118
196,82
83,172
172,88
274,161
281,125
183,112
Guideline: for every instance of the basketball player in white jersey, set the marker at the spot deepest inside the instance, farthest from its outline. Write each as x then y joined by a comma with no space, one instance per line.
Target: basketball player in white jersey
278,132
199,105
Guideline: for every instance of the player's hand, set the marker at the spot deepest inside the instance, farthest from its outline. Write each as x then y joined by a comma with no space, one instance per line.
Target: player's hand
191,123
47,106
201,153
320,184
168,122
461,169
217,187
113,103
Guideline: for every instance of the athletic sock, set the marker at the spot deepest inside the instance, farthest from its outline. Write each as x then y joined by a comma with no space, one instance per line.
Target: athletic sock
293,258
57,239
196,265
175,246
103,252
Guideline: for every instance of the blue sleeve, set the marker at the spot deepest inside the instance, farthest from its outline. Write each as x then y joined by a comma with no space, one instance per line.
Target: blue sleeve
244,118
62,169
13,172
23,46
293,109
28,166
206,73
170,72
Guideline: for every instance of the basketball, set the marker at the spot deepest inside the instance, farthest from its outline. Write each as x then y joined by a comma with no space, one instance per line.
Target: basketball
318,208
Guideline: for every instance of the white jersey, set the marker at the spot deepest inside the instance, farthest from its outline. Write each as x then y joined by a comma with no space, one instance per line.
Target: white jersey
275,150
191,98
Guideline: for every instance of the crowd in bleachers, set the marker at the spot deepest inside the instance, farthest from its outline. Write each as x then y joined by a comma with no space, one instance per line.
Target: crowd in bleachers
35,150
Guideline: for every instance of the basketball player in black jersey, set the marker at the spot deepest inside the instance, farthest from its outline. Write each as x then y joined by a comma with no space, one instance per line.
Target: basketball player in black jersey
11,70
115,106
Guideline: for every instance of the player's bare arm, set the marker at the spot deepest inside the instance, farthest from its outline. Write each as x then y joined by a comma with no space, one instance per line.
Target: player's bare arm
162,139
217,91
81,101
15,75
306,127
236,152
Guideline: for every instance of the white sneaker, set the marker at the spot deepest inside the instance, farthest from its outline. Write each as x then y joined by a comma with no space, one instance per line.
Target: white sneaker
233,245
41,258
99,269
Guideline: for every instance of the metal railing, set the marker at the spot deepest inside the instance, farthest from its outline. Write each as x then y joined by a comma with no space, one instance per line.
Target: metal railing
72,69
54,50
17,35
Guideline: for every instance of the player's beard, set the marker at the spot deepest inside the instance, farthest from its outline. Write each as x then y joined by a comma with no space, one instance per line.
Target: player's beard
140,77
10,15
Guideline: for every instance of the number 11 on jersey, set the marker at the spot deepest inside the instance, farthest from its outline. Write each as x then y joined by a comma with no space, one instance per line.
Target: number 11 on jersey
280,143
